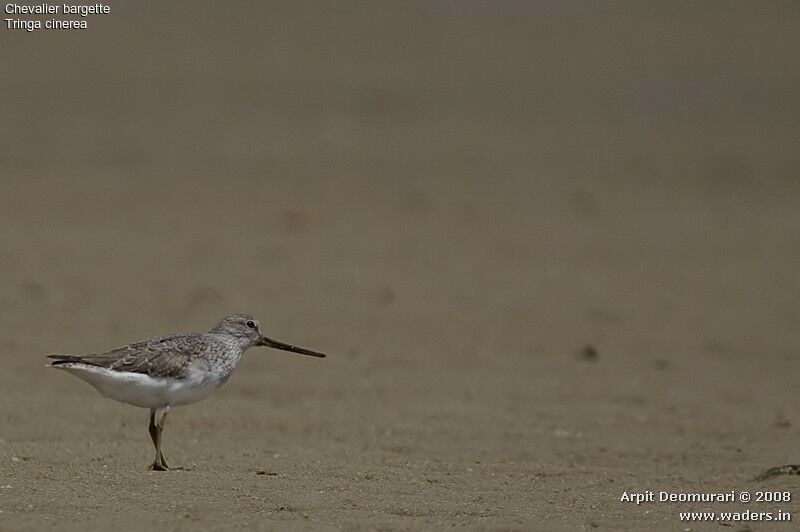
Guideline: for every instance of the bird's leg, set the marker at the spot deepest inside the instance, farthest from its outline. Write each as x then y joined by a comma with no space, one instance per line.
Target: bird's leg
161,423
793,469
155,428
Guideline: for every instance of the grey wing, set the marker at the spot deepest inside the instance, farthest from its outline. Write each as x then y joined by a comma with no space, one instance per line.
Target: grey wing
168,356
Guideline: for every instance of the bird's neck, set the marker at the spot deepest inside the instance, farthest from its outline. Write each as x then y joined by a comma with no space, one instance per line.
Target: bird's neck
236,346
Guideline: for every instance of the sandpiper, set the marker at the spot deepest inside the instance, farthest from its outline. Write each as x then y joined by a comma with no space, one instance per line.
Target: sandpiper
173,370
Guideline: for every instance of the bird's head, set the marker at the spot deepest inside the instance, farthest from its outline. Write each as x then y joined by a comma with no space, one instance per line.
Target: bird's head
246,330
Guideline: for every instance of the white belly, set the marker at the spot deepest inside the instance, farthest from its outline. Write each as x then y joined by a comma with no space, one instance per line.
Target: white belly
142,390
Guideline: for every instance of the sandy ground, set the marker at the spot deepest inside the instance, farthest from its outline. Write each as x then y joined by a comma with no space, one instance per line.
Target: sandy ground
453,200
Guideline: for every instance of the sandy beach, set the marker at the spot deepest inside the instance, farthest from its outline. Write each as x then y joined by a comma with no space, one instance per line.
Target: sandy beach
552,252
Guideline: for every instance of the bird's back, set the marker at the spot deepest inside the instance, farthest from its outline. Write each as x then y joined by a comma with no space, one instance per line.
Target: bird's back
172,356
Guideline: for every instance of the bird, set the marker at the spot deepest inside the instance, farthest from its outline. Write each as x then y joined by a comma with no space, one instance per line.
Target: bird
169,371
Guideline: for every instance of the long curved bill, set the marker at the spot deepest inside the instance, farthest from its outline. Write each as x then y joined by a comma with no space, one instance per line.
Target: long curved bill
268,342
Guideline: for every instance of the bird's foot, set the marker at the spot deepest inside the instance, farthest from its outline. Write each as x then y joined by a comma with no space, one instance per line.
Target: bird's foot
164,467
157,466
792,469
160,464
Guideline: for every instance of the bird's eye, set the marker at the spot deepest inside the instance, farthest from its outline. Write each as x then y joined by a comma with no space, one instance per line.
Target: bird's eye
251,324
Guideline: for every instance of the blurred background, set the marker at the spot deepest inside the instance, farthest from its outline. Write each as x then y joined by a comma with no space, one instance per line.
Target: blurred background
551,247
